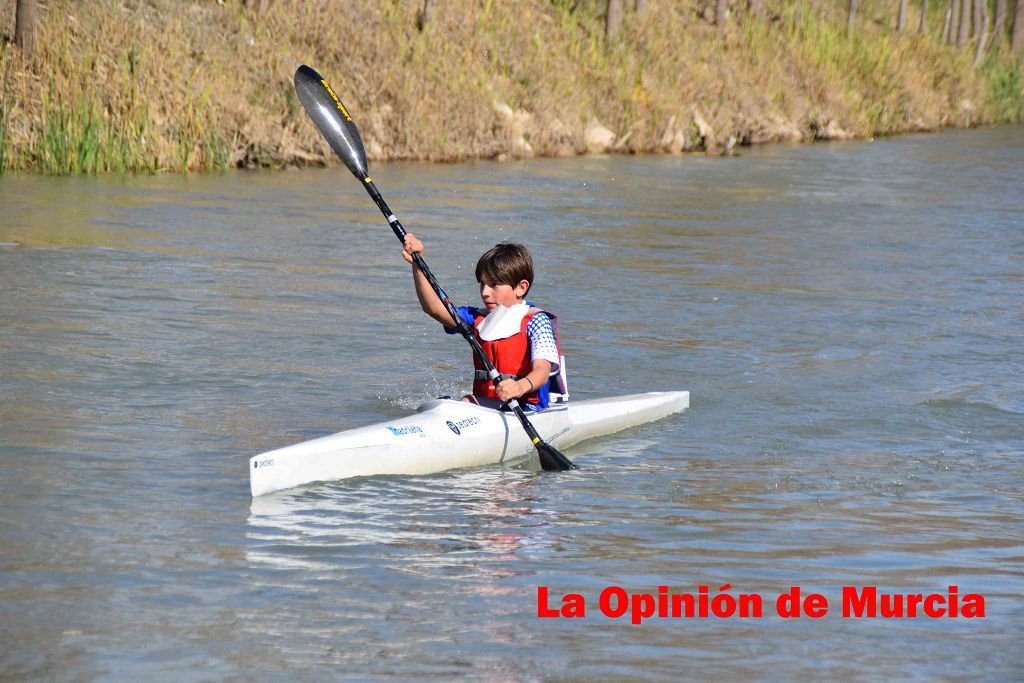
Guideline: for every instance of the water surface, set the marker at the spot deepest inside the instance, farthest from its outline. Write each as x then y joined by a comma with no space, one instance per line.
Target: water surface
847,318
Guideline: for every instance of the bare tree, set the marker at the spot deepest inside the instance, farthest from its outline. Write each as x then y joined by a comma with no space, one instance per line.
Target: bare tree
613,20
425,14
947,23
260,6
978,28
923,26
902,20
640,7
849,17
25,27
720,9
965,23
982,33
1017,42
999,27
954,21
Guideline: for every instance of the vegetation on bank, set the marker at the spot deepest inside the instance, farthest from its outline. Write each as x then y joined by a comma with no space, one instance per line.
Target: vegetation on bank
151,85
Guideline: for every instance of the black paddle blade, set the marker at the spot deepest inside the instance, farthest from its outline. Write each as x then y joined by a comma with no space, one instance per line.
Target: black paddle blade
552,459
332,120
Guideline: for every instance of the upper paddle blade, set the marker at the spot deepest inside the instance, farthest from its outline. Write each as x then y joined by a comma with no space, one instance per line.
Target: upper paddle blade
552,459
332,119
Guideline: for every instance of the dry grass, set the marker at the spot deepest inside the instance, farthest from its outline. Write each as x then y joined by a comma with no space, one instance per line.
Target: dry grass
160,85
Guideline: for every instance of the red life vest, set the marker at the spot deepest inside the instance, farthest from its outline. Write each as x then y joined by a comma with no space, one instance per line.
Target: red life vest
510,356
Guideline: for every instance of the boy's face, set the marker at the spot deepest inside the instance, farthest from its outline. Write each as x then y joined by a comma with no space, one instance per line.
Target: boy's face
494,295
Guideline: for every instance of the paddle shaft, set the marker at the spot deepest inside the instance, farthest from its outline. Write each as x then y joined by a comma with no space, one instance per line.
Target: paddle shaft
464,329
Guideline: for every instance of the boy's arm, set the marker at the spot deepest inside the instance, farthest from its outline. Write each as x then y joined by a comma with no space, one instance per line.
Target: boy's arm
429,301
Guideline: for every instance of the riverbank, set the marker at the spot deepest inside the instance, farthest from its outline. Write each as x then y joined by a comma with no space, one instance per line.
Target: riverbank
124,87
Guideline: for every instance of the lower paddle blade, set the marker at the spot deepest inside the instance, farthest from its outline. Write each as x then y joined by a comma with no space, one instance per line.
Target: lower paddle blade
551,458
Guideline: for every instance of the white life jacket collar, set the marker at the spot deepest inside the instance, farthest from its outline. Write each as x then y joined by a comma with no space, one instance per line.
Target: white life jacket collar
503,322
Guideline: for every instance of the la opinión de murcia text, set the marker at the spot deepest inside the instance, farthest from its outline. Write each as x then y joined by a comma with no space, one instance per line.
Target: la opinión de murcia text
856,602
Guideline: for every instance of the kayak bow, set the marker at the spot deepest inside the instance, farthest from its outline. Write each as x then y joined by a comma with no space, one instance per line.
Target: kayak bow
444,434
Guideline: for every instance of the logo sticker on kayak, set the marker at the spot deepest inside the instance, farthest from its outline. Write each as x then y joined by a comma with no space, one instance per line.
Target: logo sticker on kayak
405,431
457,427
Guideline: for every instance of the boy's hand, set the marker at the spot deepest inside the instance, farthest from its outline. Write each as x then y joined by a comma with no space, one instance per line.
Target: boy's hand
509,389
411,246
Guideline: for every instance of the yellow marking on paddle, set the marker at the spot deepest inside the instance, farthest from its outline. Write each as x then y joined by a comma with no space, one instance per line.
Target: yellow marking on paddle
336,100
368,180
536,441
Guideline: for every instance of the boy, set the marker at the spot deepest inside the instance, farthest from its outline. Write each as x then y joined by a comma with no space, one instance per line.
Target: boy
520,340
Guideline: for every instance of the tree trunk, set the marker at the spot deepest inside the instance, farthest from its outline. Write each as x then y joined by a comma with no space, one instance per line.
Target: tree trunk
1017,42
978,28
982,33
923,27
612,20
849,17
999,27
259,6
640,7
954,21
720,8
965,23
902,20
425,14
25,27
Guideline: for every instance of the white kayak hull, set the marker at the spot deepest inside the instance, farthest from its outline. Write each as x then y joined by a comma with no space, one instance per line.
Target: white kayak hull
445,434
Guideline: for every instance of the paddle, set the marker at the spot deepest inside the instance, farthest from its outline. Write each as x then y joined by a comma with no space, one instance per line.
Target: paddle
336,125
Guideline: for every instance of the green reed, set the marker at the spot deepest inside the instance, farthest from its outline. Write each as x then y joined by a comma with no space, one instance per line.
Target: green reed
1005,93
3,131
83,138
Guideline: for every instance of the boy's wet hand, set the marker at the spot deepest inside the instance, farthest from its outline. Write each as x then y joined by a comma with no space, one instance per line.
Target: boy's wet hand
411,246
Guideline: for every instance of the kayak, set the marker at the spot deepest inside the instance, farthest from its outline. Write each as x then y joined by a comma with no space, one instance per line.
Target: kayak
446,434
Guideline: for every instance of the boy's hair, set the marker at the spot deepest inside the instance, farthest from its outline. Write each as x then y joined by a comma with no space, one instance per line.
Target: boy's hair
506,264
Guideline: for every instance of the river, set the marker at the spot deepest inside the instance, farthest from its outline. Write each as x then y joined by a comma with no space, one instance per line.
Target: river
847,317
